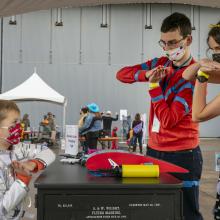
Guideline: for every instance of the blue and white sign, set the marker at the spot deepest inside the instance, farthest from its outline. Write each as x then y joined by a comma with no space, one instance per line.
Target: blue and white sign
72,140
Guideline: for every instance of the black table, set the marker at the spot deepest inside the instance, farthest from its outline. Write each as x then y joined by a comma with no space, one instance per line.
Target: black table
69,192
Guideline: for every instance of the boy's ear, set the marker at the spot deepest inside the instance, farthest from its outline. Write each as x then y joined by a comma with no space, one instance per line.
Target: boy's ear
189,40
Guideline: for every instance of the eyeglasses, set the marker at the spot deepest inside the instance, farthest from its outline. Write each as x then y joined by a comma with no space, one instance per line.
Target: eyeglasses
170,44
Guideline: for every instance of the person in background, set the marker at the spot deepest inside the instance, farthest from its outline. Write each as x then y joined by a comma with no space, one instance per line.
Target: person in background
207,71
26,121
92,127
83,113
45,120
107,124
44,125
16,175
130,139
137,126
129,120
126,125
51,122
114,142
25,125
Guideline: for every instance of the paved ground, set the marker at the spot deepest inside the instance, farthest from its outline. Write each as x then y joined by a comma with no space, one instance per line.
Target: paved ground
209,177
208,182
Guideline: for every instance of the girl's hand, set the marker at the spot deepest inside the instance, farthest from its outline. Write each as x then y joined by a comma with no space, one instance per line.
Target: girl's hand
208,66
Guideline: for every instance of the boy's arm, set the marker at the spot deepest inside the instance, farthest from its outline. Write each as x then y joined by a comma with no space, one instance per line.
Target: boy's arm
25,154
136,73
43,159
12,197
39,162
19,188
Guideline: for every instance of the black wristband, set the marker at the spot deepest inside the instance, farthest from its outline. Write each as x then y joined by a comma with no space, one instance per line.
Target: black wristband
202,79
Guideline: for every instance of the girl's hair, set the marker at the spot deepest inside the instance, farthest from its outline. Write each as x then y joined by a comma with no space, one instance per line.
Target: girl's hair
7,106
215,33
137,117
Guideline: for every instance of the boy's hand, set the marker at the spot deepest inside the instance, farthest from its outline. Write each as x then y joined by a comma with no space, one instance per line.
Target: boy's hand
29,165
24,168
156,74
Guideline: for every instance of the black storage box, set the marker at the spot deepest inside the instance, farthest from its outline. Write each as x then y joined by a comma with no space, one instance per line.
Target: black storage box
69,192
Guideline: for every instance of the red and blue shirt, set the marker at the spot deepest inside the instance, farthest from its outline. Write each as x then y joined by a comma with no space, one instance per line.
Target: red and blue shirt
171,103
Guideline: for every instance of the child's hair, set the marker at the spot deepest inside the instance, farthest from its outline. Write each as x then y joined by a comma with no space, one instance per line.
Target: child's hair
177,21
7,106
84,110
215,33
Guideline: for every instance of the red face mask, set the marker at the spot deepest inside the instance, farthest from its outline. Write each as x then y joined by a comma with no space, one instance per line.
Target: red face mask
14,134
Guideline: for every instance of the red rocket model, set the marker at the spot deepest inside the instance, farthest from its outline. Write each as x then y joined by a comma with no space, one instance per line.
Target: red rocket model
101,160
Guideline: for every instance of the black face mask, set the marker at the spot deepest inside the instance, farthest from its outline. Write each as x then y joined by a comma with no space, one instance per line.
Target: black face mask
216,57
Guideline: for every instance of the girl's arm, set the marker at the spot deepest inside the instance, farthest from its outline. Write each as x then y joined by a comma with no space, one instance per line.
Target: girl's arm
210,67
202,111
214,77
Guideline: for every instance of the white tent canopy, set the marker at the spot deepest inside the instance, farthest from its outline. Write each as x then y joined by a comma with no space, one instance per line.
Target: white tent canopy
35,89
13,7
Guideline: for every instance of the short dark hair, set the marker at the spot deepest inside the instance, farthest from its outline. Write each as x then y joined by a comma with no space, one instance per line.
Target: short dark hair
177,21
84,110
215,33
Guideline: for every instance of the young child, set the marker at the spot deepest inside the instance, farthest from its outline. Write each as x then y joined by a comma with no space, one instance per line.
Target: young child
15,175
115,142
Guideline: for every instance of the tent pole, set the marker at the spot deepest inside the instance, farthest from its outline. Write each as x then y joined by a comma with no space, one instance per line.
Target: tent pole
64,118
1,61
